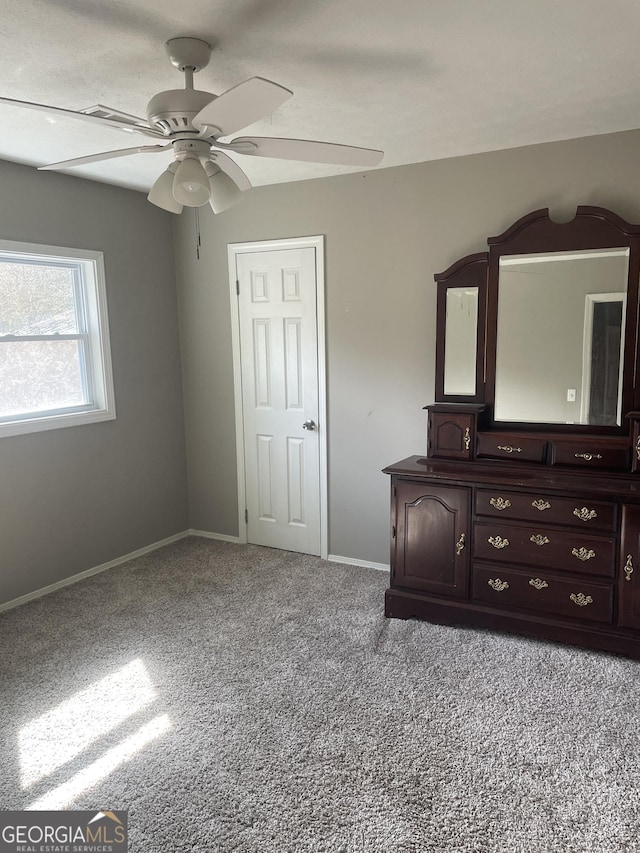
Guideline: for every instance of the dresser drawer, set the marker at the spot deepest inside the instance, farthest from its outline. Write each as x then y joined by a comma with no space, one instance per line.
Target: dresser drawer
590,453
545,547
542,509
513,447
544,593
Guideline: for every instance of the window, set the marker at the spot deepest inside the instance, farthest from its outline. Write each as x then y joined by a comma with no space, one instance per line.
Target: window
55,363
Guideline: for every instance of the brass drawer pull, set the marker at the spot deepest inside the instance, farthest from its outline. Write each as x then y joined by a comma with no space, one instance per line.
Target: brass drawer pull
498,542
538,583
583,554
538,539
581,599
467,438
541,505
587,456
500,503
497,584
585,514
628,569
509,449
460,545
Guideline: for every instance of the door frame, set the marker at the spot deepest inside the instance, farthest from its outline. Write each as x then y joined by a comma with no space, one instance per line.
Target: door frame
235,249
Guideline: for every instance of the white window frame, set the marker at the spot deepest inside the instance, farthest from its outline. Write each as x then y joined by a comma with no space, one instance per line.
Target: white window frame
91,303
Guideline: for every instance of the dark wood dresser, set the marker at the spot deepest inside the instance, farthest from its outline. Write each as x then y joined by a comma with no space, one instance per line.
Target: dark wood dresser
519,525
552,554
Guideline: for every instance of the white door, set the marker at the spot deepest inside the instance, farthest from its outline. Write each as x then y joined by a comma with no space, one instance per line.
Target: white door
279,374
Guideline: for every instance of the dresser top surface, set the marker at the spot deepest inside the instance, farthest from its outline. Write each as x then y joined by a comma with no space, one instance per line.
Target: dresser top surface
510,474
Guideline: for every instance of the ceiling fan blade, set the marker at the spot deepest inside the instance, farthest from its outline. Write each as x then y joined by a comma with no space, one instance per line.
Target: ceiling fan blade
242,105
130,127
104,155
307,150
226,164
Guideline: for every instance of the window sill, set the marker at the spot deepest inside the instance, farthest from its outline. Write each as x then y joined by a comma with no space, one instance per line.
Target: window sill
58,421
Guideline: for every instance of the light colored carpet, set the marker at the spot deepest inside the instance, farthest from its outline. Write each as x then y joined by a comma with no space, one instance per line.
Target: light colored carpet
235,698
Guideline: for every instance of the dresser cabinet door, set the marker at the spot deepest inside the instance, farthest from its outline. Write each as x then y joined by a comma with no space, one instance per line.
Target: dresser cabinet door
451,435
432,538
629,576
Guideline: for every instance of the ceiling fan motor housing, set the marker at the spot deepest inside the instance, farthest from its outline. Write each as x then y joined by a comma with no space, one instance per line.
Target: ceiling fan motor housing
172,111
199,149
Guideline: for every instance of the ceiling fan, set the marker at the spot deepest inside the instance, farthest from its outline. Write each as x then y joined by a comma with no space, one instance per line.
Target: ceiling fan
192,123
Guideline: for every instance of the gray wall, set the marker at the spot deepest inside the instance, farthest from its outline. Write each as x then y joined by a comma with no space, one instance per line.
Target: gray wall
74,498
71,499
387,232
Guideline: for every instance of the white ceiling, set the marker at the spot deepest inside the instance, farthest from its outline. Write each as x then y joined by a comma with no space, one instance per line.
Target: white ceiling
421,79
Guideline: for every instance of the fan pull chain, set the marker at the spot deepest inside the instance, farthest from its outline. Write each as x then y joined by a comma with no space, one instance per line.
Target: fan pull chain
198,238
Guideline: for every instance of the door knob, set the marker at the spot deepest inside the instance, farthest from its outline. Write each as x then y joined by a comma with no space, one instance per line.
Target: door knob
309,425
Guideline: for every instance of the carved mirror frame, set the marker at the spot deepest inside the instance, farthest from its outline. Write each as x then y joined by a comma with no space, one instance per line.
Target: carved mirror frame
535,233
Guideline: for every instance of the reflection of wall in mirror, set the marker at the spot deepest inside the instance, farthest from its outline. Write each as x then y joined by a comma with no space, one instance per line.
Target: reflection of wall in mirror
540,342
461,331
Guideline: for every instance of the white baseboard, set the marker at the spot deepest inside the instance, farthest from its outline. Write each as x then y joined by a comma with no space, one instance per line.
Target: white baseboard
222,537
45,590
381,567
332,558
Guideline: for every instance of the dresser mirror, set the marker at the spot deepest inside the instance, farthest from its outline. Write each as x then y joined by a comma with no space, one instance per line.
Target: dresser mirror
560,337
541,329
461,341
461,322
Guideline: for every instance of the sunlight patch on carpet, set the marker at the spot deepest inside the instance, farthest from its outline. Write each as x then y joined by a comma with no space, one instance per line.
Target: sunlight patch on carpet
55,738
64,795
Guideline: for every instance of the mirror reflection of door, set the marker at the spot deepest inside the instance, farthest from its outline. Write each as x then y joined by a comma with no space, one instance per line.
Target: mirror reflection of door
602,357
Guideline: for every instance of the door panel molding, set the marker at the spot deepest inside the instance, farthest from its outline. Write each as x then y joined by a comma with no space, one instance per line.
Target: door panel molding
289,288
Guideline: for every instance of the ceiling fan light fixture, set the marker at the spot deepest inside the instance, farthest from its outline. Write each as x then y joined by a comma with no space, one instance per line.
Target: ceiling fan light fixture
193,122
224,190
161,193
191,184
